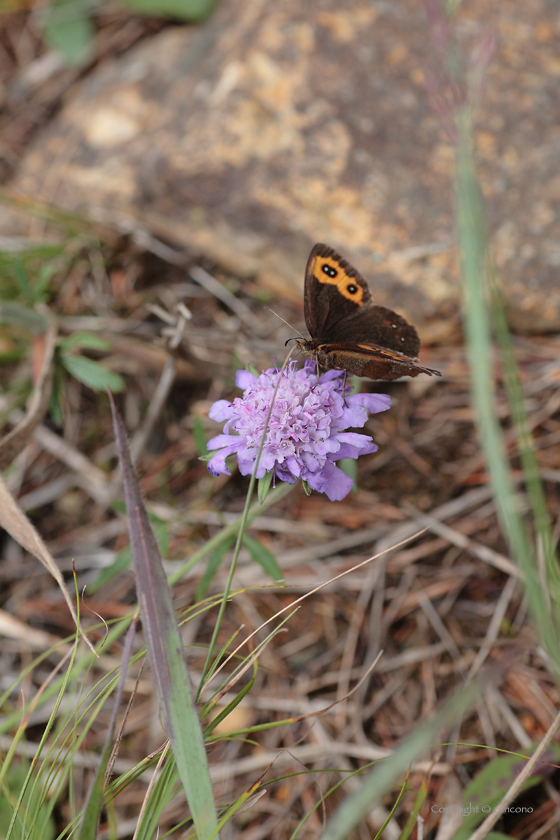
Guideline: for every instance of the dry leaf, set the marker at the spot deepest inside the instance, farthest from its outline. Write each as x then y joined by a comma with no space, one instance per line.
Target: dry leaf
16,523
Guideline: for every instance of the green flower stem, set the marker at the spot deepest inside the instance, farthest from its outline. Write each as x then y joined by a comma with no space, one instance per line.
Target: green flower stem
243,521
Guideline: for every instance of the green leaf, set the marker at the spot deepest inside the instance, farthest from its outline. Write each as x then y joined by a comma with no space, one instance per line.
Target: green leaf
236,363
212,567
42,282
183,9
264,558
13,355
121,563
306,487
349,467
123,558
68,30
497,835
17,315
161,533
23,281
199,437
57,393
92,374
263,486
489,786
84,339
26,251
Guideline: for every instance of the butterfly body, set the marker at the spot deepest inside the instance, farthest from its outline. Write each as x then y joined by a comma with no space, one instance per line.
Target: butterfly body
348,332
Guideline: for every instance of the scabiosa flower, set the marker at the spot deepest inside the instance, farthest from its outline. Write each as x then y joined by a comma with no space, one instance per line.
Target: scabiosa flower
306,431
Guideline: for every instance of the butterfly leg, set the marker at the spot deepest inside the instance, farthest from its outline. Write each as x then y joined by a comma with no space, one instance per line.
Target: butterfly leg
344,388
317,370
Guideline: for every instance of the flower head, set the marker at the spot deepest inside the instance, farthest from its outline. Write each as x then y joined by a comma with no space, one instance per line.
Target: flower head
306,431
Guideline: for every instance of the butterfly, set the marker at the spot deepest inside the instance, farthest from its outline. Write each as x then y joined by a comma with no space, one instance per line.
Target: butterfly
347,331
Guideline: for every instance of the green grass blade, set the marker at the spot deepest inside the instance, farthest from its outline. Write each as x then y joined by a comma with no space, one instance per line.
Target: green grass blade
525,443
163,791
94,800
474,257
387,773
233,703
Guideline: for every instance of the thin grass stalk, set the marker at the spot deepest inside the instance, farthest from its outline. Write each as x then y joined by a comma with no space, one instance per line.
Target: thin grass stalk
61,763
382,779
525,442
245,663
236,806
160,793
94,799
227,710
393,811
414,816
347,774
473,247
49,726
12,719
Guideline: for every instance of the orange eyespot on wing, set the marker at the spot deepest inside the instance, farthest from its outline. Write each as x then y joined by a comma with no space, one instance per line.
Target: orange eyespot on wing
328,270
348,332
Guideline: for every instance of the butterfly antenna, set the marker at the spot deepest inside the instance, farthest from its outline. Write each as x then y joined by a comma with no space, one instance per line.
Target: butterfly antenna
286,322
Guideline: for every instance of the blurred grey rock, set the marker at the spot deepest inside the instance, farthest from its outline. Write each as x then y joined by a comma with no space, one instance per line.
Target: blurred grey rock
277,124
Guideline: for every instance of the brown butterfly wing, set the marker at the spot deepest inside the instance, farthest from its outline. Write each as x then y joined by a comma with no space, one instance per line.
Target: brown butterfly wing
338,307
366,360
379,326
347,331
334,292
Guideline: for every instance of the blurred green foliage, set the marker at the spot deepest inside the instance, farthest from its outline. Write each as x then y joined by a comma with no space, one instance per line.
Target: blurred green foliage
69,30
29,278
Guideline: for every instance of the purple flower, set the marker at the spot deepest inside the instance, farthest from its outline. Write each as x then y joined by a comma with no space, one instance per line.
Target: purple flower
306,431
